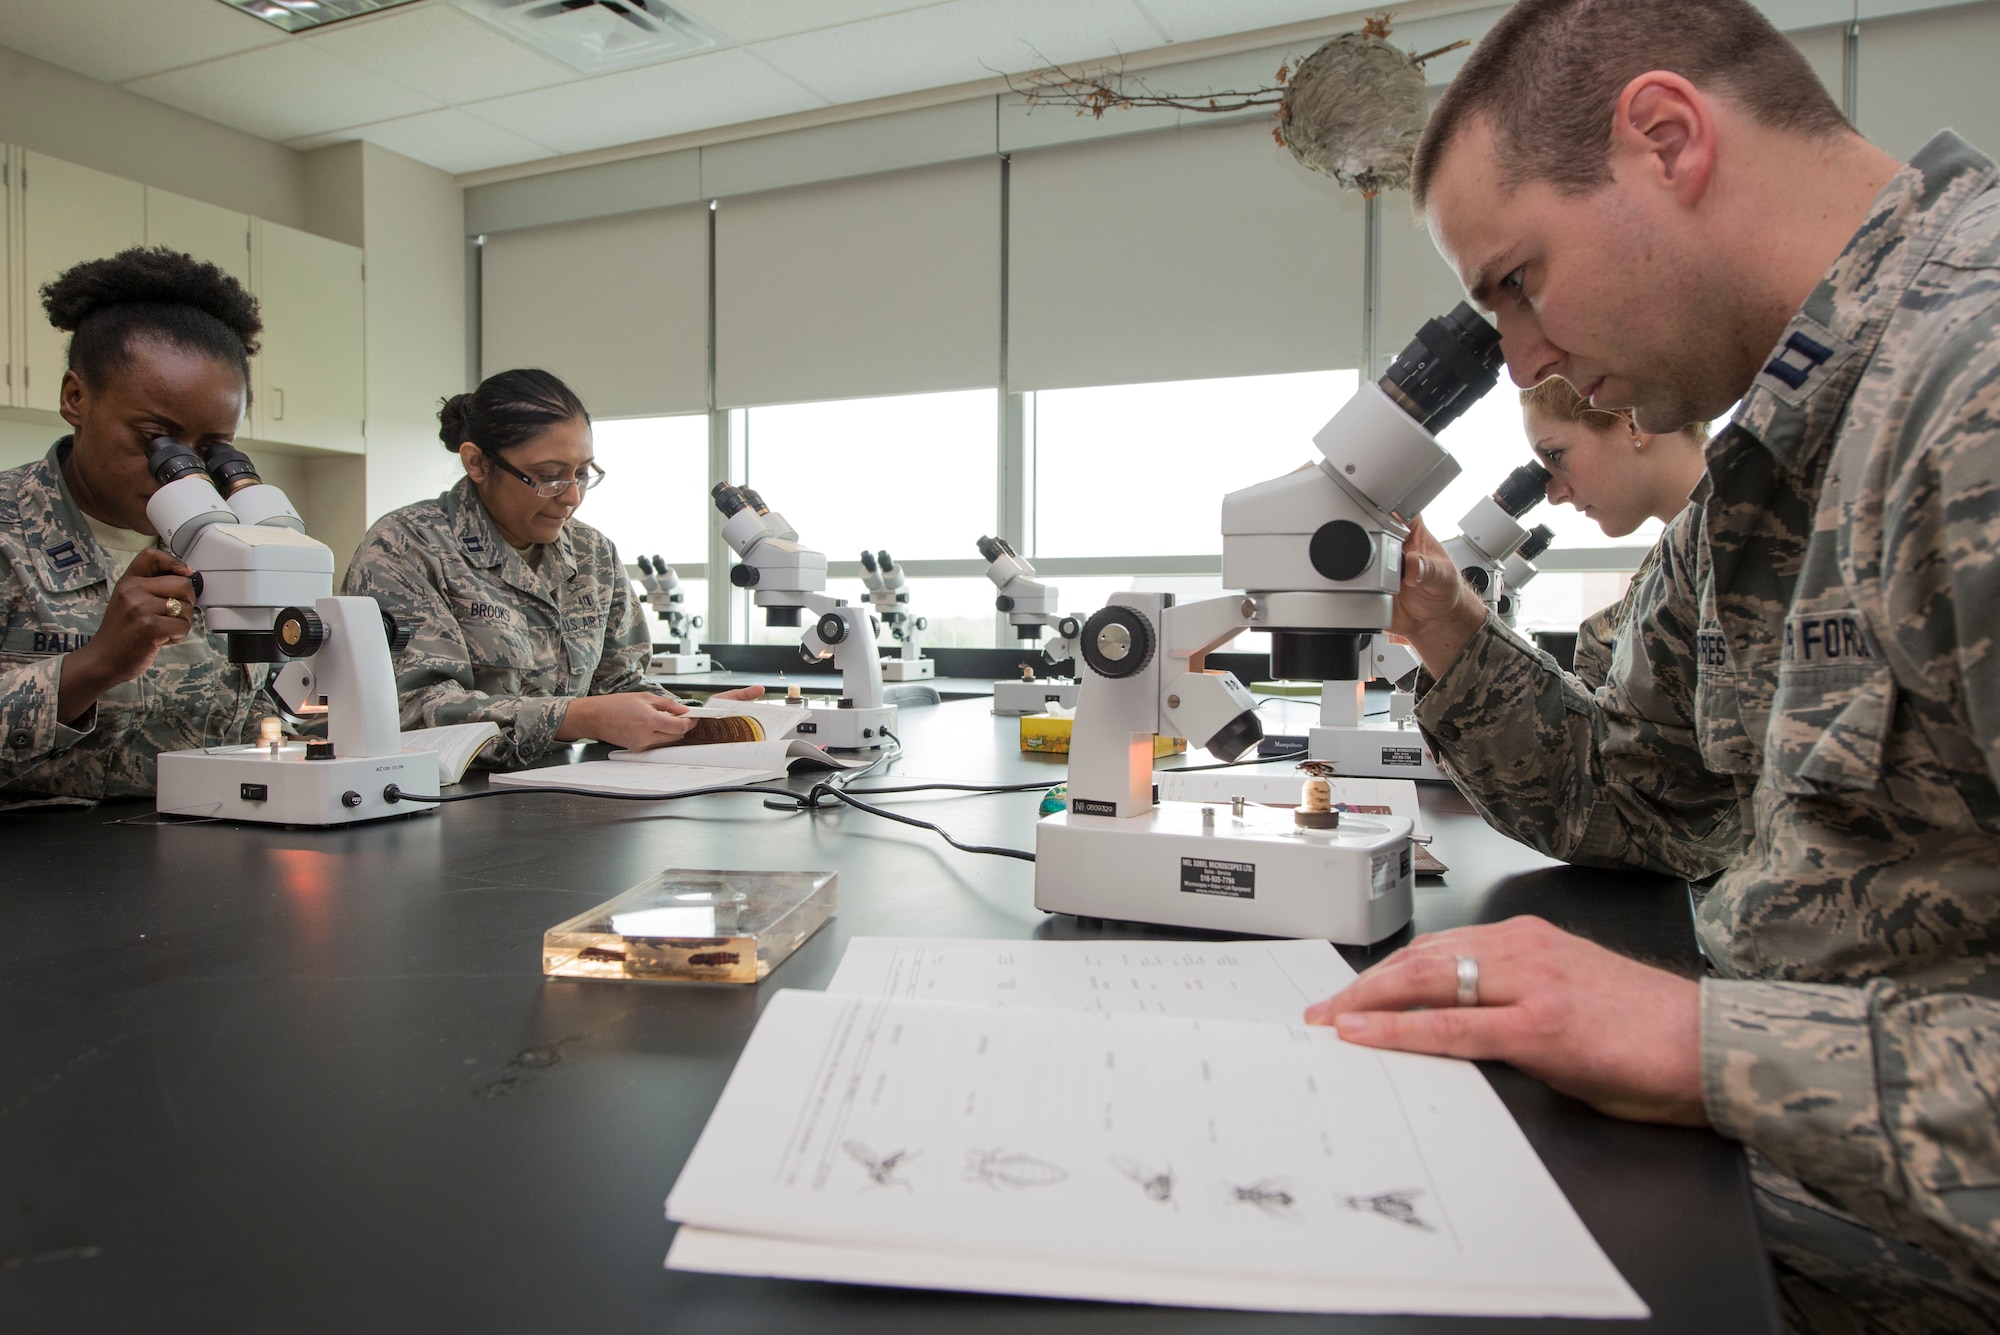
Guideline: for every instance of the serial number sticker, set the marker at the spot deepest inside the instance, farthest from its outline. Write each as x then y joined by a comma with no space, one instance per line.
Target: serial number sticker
1402,755
1208,876
1084,806
1389,871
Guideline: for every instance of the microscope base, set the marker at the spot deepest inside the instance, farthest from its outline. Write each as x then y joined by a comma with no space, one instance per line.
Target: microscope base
248,783
1374,750
1033,697
838,729
1257,874
679,665
908,669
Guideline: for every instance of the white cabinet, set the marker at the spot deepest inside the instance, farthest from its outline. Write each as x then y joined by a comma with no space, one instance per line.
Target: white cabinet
309,377
69,214
220,236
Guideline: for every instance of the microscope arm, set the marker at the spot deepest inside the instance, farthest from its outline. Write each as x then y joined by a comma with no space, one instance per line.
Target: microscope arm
847,634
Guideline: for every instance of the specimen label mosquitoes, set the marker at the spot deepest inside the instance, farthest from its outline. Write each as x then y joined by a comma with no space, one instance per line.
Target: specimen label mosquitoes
1271,1195
1158,1186
1400,1206
881,1169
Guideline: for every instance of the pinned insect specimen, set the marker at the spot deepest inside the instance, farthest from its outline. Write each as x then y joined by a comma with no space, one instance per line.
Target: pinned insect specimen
1158,1186
1271,1195
1004,1168
1401,1206
881,1169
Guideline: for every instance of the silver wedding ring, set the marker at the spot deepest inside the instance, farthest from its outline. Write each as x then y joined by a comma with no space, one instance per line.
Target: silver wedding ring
173,607
1468,981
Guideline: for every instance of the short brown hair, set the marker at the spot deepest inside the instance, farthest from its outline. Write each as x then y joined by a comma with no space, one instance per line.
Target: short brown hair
1557,400
1549,74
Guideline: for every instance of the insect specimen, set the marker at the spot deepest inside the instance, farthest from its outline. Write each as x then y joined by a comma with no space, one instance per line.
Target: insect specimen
881,1169
1157,1186
1271,1195
1005,1168
1400,1206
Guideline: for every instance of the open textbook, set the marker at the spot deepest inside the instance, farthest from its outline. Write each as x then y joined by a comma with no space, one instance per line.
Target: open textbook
455,743
869,1136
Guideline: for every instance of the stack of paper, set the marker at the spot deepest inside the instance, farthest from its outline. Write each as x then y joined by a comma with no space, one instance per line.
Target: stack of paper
945,1117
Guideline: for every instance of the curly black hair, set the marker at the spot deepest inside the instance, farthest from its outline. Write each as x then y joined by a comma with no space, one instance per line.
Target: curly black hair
153,293
509,408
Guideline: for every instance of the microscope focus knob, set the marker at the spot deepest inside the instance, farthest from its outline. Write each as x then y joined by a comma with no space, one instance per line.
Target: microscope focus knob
742,575
1340,550
1003,604
831,629
1117,641
1069,628
398,636
300,632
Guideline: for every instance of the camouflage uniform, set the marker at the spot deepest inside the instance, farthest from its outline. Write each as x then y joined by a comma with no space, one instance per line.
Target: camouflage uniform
56,579
493,637
1597,637
1818,651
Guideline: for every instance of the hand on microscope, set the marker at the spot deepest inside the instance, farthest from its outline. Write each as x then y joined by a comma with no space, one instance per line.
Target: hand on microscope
139,620
1436,614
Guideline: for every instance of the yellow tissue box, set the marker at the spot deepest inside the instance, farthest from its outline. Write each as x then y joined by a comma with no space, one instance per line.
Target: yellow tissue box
1049,735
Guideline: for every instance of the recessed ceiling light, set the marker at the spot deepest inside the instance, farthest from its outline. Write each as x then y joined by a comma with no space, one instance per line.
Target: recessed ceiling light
597,35
298,15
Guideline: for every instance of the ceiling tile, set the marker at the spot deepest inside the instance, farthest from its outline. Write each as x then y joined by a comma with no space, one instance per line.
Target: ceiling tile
697,93
442,52
958,42
284,92
116,40
758,20
1193,20
449,140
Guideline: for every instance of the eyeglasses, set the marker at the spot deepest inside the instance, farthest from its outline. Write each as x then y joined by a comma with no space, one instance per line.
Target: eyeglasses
554,487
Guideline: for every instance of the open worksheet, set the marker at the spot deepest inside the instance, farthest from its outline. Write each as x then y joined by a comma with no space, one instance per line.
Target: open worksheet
1272,981
775,756
627,777
1126,1157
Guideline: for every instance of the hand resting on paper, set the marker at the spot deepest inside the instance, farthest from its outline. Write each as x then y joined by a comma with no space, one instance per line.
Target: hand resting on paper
1622,1036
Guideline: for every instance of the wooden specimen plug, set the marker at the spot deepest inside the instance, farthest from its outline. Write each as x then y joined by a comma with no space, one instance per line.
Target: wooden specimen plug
1316,806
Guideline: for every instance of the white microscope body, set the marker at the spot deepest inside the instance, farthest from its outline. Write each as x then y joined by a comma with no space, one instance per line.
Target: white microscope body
677,655
1520,568
1374,746
785,578
1491,533
889,595
1319,553
266,587
1030,606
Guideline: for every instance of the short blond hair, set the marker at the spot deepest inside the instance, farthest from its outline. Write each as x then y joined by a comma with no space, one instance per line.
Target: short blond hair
1557,400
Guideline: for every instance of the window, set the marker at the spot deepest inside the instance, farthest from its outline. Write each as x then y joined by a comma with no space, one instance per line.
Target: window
654,498
1140,470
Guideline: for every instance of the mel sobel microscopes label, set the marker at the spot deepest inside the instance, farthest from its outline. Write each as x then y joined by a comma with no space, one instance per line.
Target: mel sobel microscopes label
1402,755
1206,876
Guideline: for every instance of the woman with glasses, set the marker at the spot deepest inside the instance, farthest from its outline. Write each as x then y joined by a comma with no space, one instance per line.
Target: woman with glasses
519,613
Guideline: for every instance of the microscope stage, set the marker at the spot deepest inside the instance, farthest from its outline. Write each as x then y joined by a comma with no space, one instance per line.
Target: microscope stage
251,783
679,665
1033,697
841,729
908,669
1374,749
1257,873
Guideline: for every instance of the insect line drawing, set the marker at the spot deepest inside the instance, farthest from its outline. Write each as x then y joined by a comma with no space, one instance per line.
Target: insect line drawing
1272,1195
1400,1206
1002,1167
881,1169
1158,1186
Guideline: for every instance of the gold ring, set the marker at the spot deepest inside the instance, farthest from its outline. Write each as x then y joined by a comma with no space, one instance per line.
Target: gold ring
173,607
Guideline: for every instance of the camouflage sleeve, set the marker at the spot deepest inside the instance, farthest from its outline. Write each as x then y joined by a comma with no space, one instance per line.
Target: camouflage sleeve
628,647
434,677
30,733
1880,1102
1610,778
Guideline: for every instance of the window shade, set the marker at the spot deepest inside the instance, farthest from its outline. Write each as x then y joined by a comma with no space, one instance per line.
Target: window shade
884,285
1180,255
1928,72
618,307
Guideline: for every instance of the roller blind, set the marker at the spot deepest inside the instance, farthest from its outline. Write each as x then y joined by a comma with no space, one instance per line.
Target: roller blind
885,285
618,307
1928,72
1180,255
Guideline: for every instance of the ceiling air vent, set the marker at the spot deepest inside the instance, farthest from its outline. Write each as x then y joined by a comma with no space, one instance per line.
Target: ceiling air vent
298,15
596,35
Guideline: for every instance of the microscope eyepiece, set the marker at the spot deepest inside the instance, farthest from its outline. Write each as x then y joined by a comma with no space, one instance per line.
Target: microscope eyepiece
1523,490
868,561
1452,361
888,565
755,501
231,470
727,499
994,548
170,461
1538,540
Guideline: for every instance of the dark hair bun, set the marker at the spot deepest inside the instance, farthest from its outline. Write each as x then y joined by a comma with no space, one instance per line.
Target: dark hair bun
451,421
508,409
154,293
